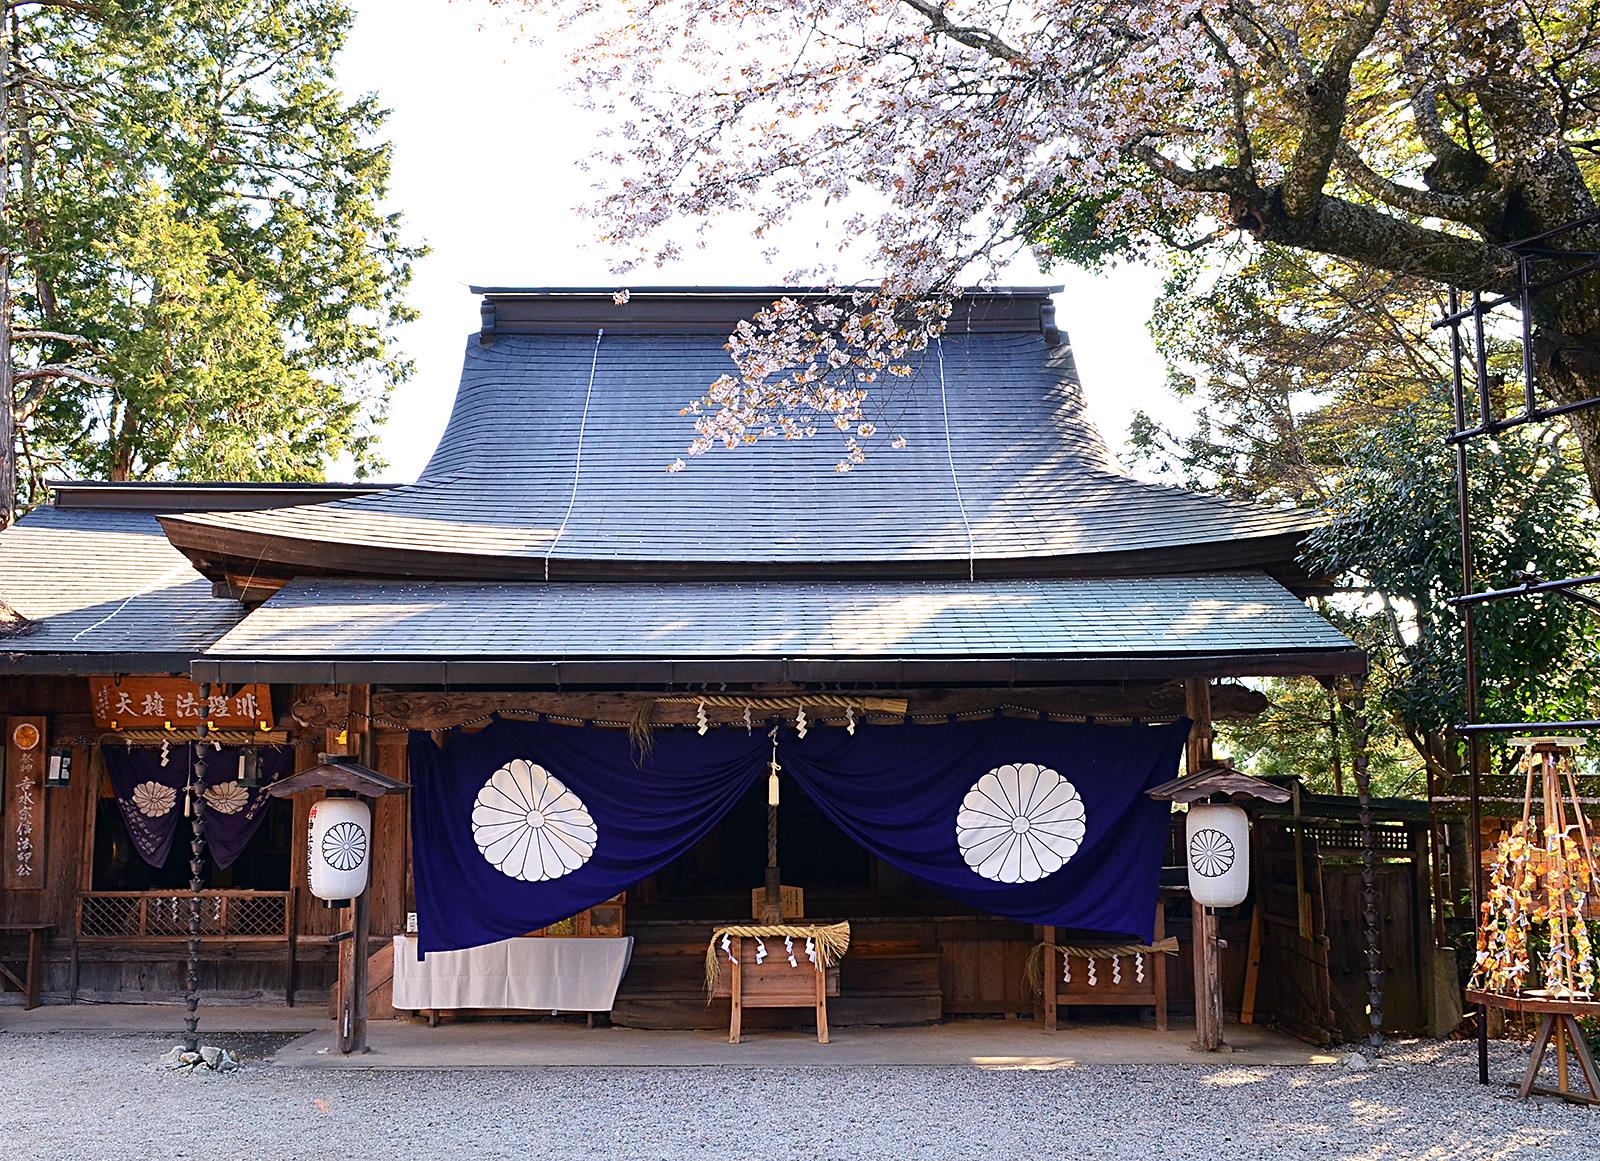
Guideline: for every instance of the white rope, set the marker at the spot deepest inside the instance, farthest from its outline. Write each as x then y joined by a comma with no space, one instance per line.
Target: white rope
577,457
160,581
950,454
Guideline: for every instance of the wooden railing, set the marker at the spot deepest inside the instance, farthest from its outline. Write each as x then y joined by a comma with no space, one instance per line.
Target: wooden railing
260,916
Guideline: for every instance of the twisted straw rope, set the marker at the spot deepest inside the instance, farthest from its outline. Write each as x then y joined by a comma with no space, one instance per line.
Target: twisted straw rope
832,941
1034,969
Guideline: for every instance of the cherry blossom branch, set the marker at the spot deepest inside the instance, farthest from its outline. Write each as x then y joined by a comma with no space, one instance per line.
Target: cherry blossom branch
1326,99
970,35
1478,208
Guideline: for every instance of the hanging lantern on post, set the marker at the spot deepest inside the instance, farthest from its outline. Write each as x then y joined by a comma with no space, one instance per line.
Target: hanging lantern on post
1216,832
1217,839
344,778
339,855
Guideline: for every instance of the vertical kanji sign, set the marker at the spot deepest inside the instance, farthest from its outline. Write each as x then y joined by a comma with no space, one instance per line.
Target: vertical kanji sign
23,818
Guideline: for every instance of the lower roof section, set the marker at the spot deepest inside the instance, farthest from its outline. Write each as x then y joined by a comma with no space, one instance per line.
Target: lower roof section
102,591
1227,624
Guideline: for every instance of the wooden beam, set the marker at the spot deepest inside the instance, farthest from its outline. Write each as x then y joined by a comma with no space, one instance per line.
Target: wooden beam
321,707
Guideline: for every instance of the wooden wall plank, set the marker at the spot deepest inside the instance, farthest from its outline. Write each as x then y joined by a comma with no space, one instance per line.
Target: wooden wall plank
391,843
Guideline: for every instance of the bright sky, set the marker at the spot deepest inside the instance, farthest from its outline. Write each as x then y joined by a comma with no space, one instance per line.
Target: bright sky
487,148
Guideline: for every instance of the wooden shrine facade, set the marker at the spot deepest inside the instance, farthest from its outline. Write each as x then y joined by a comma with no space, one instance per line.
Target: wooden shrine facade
991,559
915,957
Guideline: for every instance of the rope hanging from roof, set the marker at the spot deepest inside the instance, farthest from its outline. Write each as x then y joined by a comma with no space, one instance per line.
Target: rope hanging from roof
577,455
950,454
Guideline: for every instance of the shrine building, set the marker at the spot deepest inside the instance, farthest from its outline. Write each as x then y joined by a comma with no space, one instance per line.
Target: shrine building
957,668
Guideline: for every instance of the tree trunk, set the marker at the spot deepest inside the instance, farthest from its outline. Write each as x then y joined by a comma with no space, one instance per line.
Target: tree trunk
1566,352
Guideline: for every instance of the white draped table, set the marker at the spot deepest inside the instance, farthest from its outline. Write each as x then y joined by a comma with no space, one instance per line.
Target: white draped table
539,973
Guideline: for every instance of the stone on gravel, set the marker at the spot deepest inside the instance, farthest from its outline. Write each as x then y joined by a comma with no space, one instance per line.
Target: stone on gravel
209,1056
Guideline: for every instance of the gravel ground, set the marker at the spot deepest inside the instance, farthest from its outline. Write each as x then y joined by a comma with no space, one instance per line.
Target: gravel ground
83,1095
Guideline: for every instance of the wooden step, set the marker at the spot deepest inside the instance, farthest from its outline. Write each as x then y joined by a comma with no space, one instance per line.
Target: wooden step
665,989
690,1011
908,974
905,973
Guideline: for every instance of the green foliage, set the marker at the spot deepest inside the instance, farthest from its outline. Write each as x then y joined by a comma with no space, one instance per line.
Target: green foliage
194,197
1286,360
1315,382
1295,736
1392,527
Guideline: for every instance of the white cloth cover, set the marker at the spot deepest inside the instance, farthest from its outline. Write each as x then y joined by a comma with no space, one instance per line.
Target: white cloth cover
543,973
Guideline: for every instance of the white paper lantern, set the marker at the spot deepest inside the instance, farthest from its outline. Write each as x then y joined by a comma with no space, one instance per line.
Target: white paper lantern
1217,838
341,848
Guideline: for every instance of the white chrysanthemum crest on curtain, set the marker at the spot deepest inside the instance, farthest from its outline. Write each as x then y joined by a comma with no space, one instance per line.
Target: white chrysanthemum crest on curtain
529,826
154,799
1020,823
227,797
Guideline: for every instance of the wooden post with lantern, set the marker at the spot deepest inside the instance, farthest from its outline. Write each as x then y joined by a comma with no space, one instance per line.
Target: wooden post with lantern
1216,843
340,859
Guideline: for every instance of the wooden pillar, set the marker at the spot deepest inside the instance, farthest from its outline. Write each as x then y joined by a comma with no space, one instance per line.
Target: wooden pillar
353,981
353,1014
1050,967
1207,955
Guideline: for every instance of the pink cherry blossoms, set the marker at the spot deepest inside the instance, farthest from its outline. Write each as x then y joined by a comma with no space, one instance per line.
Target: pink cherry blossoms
970,129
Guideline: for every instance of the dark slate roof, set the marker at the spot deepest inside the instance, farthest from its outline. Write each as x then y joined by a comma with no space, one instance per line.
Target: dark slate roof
104,592
1247,615
1035,484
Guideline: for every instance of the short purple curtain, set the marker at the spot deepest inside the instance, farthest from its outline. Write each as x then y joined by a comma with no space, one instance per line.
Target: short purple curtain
150,796
522,824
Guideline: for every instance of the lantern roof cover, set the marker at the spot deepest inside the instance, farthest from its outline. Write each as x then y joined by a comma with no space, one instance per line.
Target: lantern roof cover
1219,779
339,773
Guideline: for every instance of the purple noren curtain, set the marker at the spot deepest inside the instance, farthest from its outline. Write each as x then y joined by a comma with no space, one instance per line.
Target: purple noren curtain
522,824
150,796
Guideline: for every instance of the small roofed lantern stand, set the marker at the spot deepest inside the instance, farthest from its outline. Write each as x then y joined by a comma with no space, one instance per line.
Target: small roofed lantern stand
1218,853
1534,923
339,861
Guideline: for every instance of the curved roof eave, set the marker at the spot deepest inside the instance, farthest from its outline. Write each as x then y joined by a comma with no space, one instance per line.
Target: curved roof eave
219,551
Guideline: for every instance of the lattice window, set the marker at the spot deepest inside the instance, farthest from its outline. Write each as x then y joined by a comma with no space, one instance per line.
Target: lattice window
164,915
108,916
257,915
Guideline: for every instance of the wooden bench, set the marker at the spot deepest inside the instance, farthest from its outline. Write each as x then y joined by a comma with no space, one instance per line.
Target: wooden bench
31,982
774,984
1104,978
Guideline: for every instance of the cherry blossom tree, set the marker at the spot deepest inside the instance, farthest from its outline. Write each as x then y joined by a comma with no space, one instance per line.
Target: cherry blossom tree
1411,136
